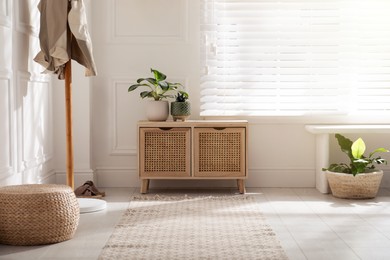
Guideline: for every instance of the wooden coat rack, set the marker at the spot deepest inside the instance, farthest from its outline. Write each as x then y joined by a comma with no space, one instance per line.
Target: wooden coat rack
69,132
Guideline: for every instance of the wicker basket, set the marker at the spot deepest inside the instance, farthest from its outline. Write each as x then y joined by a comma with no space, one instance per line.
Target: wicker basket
361,186
37,214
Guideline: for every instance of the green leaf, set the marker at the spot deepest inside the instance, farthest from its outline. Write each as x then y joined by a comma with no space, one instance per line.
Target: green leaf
380,160
358,167
164,85
361,161
167,96
145,94
133,87
140,80
158,75
151,81
379,150
358,148
345,145
342,167
184,94
174,85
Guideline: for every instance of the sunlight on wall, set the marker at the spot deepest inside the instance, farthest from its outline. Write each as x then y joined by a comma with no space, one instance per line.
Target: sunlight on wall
25,111
36,129
5,158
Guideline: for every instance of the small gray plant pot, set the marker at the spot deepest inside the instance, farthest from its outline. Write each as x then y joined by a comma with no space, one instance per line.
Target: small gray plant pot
180,110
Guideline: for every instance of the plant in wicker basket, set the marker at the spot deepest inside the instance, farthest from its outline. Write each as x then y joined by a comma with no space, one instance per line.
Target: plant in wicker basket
358,179
181,108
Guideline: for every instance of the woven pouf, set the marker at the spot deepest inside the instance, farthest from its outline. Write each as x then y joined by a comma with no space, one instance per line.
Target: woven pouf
37,214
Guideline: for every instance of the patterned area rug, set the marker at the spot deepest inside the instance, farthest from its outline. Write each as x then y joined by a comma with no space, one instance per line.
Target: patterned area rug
192,227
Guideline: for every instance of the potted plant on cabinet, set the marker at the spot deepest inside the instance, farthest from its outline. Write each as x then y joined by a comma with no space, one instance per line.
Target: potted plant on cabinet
157,89
181,108
359,179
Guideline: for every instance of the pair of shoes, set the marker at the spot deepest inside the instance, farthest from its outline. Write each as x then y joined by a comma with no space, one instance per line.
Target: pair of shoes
89,190
94,189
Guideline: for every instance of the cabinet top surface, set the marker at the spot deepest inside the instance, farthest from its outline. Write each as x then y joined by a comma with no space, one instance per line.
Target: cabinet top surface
197,123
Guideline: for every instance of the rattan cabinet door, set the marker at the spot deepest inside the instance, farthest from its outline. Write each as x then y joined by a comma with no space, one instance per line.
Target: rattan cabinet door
165,152
219,152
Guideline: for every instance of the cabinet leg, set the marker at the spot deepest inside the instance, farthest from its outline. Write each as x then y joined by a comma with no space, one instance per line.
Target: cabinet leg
241,185
144,186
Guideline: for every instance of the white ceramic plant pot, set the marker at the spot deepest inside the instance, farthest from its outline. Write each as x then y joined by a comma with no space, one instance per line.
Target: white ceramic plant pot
157,110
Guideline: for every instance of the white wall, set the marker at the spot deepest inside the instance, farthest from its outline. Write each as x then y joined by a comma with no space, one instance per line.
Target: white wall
26,135
130,37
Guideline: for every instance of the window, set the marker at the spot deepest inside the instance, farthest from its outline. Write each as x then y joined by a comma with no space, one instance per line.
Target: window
295,57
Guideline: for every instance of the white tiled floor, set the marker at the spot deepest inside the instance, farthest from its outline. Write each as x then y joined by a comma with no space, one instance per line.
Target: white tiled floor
310,225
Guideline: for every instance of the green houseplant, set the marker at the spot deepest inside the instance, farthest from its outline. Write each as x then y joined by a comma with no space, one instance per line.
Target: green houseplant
157,89
358,179
157,86
181,108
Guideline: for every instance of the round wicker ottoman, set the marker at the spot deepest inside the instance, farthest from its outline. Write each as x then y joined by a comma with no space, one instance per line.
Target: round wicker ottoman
37,214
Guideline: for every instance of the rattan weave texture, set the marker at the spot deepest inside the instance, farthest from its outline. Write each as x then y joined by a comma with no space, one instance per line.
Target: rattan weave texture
220,152
361,186
35,214
166,152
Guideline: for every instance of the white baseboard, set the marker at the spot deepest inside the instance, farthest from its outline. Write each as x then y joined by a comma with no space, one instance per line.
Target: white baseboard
117,177
128,177
80,176
281,178
33,175
50,177
386,178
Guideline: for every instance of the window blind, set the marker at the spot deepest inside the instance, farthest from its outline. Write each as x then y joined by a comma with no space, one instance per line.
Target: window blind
295,57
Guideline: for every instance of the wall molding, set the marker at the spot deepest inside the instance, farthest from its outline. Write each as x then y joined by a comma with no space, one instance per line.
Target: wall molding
9,169
80,176
27,28
24,80
116,148
5,14
180,37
